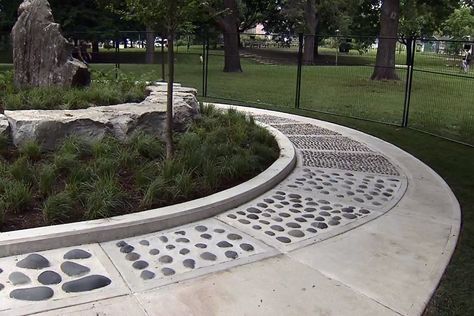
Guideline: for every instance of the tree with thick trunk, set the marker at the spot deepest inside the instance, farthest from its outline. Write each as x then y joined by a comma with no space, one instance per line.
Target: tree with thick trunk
150,45
385,60
311,23
229,24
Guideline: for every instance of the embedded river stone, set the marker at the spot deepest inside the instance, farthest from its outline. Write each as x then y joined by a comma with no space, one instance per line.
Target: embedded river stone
18,278
77,254
168,271
208,256
189,263
74,269
231,254
34,262
34,294
147,275
49,278
140,265
88,283
2,286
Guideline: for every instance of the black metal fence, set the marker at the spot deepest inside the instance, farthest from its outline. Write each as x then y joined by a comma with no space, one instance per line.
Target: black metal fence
433,93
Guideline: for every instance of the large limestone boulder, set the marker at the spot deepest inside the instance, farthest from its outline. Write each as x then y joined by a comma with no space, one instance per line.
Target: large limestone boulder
41,55
4,126
49,127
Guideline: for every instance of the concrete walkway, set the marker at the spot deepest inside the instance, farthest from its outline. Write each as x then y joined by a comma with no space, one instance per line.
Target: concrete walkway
359,228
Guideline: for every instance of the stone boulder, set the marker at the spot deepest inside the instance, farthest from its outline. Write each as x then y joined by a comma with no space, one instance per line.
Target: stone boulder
4,126
41,55
49,127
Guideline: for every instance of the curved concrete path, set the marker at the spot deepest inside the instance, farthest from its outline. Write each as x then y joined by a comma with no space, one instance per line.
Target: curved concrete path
359,228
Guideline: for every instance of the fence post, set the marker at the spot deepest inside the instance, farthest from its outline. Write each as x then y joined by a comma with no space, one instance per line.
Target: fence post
117,54
207,65
411,49
203,61
298,74
163,72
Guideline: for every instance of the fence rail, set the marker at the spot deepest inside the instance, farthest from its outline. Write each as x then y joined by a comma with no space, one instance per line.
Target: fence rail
433,91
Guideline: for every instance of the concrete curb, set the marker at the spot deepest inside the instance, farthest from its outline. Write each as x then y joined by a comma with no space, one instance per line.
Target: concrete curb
51,237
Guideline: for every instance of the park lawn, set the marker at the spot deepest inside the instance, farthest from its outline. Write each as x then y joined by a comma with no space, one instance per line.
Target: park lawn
440,104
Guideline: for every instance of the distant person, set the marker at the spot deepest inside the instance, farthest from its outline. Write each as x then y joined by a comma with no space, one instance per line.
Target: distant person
466,62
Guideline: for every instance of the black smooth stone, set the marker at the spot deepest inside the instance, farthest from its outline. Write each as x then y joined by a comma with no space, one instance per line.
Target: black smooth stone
2,286
166,259
183,240
154,252
201,228
18,278
206,236
49,278
167,271
284,240
33,261
147,275
247,247
234,237
189,263
231,254
140,265
144,243
208,256
88,283
74,269
164,238
127,249
224,244
133,256
33,294
77,254
184,251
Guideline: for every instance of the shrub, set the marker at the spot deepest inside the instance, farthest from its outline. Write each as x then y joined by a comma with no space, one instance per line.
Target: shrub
16,196
105,198
31,150
59,208
148,146
23,171
156,192
46,179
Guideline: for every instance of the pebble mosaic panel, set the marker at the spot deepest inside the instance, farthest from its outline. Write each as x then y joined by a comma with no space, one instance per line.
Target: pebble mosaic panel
50,275
352,187
270,119
363,162
328,143
304,129
179,251
286,218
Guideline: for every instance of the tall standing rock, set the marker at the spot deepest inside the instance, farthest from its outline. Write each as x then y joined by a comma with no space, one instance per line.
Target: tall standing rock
42,56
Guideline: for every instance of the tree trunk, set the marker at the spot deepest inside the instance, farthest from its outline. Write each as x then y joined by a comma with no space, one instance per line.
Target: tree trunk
95,46
311,21
150,46
385,61
230,23
169,105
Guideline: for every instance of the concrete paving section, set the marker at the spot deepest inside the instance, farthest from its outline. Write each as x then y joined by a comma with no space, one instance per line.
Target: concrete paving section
359,227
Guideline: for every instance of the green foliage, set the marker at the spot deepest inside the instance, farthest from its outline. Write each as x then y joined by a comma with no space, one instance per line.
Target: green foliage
46,179
105,90
22,170
460,24
16,196
104,198
31,150
59,208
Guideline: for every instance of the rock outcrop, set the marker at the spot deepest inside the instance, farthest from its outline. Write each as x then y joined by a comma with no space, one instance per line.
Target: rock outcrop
42,56
49,127
4,126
